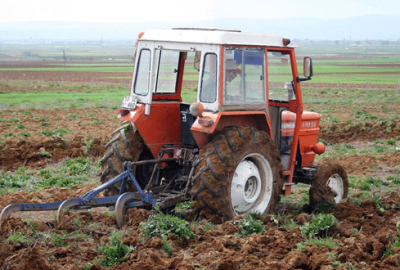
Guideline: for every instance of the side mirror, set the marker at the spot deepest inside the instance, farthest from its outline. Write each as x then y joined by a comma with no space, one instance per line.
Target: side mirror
308,70
307,67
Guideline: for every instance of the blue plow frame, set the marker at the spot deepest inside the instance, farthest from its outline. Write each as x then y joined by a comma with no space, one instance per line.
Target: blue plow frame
88,200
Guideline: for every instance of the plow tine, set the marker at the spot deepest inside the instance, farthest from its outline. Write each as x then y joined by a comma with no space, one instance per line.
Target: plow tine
16,207
120,206
64,207
7,211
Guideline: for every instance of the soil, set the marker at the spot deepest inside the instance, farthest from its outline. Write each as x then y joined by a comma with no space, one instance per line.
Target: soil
363,233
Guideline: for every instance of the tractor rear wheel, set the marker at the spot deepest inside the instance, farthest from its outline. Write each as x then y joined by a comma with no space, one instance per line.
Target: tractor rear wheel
329,185
238,172
126,145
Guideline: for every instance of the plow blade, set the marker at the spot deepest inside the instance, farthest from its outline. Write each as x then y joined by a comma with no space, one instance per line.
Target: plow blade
87,201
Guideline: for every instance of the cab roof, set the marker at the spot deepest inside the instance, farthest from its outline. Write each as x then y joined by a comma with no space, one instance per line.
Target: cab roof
218,36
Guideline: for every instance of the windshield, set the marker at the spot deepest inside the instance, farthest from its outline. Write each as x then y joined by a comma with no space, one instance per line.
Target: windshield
244,75
280,76
142,81
166,68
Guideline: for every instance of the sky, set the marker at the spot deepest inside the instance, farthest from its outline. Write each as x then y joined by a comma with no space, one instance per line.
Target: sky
187,10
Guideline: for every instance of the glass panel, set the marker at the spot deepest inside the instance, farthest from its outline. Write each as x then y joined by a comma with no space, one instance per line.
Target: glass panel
142,81
168,68
190,79
244,75
209,79
280,76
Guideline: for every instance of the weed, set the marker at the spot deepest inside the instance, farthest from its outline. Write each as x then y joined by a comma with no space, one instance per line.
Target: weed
72,115
96,122
24,134
183,208
76,222
88,145
378,204
43,118
9,134
163,224
21,170
44,154
391,142
114,251
14,120
44,124
290,225
45,173
57,181
13,181
208,226
20,238
300,246
317,224
59,132
249,226
328,242
20,126
58,241
166,245
393,179
77,166
335,119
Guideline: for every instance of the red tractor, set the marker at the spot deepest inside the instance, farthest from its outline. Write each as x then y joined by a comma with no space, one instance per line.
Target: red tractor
243,143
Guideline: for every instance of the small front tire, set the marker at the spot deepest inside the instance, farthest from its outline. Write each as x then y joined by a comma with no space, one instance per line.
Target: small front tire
329,185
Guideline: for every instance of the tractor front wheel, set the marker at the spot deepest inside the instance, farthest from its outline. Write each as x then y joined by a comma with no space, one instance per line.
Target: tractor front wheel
238,172
329,185
126,145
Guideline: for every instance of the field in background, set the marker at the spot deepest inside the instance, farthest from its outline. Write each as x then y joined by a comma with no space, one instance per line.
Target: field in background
57,104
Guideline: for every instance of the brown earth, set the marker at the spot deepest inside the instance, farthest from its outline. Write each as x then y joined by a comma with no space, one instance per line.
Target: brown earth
84,127
362,233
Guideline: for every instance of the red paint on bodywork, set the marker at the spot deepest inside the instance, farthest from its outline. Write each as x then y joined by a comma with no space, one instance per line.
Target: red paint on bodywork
162,126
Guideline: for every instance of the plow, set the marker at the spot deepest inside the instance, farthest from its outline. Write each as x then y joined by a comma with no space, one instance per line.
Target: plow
124,200
243,143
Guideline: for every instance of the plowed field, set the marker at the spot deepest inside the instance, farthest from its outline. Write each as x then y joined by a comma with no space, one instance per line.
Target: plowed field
363,235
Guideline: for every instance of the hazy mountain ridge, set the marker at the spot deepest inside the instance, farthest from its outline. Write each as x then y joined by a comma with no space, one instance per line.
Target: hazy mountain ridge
356,28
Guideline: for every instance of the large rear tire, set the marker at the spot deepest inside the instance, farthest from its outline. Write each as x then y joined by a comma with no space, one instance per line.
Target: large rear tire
126,145
238,172
329,185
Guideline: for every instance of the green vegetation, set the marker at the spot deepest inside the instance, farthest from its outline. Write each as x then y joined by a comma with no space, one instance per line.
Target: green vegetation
318,223
161,224
58,132
19,238
328,242
114,251
71,172
249,225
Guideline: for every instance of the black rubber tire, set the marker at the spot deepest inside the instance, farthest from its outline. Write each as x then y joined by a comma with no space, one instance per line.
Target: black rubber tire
216,166
321,195
126,145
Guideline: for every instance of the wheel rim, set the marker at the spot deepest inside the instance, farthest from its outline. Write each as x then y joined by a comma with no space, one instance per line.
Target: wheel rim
335,182
251,186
